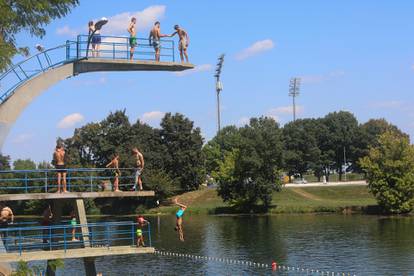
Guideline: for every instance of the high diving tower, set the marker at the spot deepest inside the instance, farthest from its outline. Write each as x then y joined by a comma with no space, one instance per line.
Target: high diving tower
26,80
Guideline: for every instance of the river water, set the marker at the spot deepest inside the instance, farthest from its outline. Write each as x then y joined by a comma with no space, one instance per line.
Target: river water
360,245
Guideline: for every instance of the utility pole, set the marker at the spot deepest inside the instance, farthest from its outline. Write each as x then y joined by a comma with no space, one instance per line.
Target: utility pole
219,88
344,163
294,88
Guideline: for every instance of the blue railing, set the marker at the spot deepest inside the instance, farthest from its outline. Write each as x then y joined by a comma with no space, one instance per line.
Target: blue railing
111,47
77,180
118,47
66,237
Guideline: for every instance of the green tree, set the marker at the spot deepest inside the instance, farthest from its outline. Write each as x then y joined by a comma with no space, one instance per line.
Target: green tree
390,172
342,128
251,173
26,15
184,160
301,146
4,162
26,164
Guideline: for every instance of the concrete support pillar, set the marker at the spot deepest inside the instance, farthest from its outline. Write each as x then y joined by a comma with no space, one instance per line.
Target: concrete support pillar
81,214
89,264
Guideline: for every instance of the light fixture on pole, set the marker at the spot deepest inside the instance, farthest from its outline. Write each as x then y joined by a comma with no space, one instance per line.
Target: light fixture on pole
219,88
294,88
98,26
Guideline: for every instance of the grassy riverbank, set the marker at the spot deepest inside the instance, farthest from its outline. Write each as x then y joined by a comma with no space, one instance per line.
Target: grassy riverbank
289,200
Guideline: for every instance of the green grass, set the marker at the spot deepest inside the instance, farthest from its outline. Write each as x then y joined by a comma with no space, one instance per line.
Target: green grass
289,200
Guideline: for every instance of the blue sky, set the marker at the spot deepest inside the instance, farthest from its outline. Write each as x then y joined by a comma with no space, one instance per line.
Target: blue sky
352,55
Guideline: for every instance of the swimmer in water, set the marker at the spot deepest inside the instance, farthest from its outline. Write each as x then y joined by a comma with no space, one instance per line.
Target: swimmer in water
179,219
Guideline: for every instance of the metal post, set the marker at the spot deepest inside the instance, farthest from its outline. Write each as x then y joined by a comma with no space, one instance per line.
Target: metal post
219,88
113,50
132,234
50,238
68,180
90,181
25,182
64,238
67,50
149,234
173,50
20,242
218,111
77,47
294,88
45,181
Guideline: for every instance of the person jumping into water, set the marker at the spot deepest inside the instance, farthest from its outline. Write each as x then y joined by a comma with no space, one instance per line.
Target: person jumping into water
183,43
114,164
179,219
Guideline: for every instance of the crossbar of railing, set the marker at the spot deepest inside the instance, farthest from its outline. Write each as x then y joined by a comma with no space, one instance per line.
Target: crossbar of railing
22,239
77,179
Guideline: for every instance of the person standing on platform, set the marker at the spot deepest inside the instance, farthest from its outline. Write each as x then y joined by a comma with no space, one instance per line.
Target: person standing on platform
59,161
46,223
183,42
132,37
155,39
114,164
6,218
139,167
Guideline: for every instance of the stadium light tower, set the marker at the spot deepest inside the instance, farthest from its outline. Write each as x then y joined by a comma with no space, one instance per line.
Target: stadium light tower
294,89
219,88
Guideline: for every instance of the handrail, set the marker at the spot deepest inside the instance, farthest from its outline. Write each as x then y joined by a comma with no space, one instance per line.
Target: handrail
78,180
112,47
66,237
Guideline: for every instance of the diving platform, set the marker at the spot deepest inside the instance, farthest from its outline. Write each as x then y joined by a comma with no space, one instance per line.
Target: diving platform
74,195
101,64
75,253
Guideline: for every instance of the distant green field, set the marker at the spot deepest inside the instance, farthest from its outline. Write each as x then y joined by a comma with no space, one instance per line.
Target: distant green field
289,200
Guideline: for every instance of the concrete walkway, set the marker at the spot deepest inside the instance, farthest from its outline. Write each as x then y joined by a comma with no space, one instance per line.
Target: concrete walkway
328,184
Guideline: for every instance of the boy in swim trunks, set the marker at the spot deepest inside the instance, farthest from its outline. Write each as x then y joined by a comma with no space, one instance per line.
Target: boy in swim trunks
132,37
139,159
141,222
183,43
114,164
155,39
179,219
59,161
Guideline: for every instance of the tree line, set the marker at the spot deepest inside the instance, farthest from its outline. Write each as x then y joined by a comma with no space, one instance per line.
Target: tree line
247,162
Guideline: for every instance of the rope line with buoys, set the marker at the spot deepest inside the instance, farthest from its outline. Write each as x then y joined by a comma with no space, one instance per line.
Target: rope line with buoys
274,266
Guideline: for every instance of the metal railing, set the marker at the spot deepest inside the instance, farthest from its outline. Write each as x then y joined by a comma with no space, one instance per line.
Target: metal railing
111,47
77,180
66,237
21,72
118,47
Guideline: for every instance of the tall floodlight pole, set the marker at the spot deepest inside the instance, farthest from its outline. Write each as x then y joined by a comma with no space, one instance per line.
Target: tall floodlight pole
219,88
294,88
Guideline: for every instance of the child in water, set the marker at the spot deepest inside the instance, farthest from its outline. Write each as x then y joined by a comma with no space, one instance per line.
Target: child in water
179,219
141,222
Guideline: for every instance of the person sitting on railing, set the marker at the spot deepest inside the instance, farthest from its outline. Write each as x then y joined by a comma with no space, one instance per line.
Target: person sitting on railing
96,39
183,43
141,222
114,164
132,37
6,215
59,162
155,39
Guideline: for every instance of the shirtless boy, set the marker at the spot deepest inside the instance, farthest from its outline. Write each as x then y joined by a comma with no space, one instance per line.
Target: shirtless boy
139,167
59,159
155,39
183,43
6,214
132,36
114,164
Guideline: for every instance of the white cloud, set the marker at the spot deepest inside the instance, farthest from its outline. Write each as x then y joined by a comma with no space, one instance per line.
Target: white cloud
283,110
321,77
152,116
70,120
256,48
388,104
22,138
118,24
197,69
67,31
243,121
